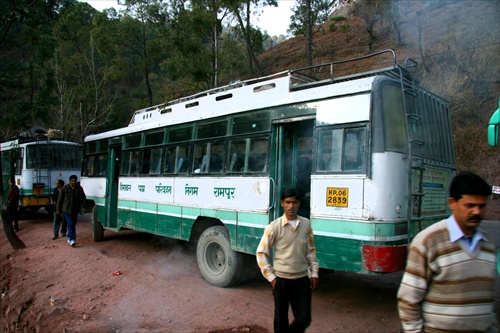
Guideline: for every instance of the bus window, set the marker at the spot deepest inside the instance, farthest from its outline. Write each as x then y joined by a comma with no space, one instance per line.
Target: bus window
182,164
216,157
146,162
257,159
200,159
394,119
89,166
354,149
132,141
135,163
342,150
155,161
125,163
330,150
101,164
170,153
236,161
155,138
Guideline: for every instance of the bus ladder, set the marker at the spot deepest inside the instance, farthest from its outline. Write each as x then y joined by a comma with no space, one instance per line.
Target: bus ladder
42,185
414,205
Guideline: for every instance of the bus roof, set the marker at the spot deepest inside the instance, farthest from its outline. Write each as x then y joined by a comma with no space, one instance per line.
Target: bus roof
287,87
33,140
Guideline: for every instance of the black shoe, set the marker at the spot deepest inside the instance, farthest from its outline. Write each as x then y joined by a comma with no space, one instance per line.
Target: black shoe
54,238
16,229
62,235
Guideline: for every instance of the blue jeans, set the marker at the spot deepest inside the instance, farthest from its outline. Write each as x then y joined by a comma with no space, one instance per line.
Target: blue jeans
71,222
294,293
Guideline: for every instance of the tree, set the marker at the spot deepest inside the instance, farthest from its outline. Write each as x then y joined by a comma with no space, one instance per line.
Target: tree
242,11
306,20
83,102
371,12
14,241
27,44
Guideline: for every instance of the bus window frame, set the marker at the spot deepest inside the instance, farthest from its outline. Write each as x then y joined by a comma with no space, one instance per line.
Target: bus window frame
365,155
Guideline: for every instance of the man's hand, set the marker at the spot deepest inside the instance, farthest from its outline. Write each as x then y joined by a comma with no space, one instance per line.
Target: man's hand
273,283
314,283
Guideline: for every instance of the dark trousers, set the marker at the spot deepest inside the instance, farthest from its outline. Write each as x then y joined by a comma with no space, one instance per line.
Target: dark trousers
71,222
59,221
294,293
14,216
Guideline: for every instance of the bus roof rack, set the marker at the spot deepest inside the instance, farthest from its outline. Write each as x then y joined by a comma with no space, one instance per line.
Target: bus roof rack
349,69
379,63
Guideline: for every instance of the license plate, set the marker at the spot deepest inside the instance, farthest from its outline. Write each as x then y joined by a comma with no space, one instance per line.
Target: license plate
337,196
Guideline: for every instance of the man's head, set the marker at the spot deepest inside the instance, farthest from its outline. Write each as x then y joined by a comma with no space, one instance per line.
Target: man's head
72,180
468,193
290,201
11,182
59,183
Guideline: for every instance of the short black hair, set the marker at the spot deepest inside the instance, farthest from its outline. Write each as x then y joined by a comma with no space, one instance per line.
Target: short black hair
73,177
290,192
468,183
60,181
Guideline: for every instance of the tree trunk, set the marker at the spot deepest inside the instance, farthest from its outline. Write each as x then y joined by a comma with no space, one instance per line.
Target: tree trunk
14,241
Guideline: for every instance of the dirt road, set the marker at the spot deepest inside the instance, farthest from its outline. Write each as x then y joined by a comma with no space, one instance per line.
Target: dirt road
160,289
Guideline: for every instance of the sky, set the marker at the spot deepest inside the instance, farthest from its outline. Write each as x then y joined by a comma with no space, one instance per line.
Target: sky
275,20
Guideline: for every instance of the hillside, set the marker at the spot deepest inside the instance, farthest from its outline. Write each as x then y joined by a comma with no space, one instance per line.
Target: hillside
458,59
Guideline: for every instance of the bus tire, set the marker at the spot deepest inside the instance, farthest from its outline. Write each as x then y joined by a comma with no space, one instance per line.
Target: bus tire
220,265
97,229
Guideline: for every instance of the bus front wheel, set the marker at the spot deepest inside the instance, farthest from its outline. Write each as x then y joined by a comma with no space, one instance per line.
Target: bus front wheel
97,229
219,264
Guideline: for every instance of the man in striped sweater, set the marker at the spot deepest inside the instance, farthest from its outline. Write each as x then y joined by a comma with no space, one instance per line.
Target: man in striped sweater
449,280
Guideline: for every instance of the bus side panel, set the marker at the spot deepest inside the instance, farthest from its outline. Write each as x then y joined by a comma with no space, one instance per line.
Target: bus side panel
169,221
249,231
339,244
324,202
146,217
189,216
127,214
339,253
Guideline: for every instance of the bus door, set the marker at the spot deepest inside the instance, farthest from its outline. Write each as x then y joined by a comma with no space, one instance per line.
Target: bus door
293,161
112,175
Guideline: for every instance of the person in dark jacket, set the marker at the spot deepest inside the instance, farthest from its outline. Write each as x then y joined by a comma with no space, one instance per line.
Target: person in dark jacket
59,220
13,204
70,202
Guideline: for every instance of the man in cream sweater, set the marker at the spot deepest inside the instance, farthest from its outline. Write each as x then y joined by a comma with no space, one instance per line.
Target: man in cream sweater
294,260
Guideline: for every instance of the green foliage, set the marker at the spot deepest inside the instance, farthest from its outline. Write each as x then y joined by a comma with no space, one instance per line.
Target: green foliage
337,18
345,28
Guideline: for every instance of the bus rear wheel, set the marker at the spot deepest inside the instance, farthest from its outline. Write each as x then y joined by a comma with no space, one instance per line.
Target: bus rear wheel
220,265
97,229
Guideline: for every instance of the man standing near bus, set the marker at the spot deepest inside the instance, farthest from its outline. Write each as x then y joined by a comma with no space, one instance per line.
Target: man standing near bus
59,220
294,259
70,202
13,204
449,280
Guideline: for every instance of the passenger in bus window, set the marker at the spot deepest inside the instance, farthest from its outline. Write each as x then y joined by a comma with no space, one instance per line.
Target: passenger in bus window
13,204
450,277
59,220
293,260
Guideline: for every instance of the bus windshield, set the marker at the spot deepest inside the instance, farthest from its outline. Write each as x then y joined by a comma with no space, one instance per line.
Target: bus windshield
49,156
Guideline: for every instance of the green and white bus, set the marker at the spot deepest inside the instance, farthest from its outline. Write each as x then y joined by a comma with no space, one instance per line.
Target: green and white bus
371,151
35,160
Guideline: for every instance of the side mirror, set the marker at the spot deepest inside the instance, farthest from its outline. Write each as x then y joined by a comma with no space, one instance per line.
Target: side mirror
493,127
